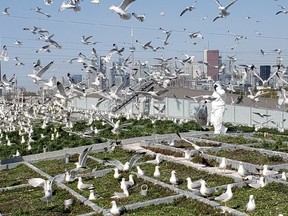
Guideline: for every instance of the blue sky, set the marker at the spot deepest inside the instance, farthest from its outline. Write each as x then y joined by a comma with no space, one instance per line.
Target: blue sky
107,28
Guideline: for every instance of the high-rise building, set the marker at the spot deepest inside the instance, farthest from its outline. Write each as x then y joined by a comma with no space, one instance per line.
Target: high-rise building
265,71
211,64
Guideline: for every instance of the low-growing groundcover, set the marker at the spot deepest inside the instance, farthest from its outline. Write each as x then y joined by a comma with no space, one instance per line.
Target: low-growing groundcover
26,201
135,128
249,156
16,176
182,206
270,200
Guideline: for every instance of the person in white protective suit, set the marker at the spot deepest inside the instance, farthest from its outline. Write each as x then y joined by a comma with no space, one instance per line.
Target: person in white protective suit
218,99
218,108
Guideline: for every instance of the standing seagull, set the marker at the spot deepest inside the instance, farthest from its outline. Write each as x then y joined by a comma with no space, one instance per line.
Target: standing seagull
121,9
190,8
223,9
225,197
250,206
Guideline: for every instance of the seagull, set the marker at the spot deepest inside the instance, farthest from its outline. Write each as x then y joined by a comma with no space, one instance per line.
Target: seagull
283,176
261,114
119,195
81,186
121,9
139,170
38,71
250,206
92,195
146,45
196,147
282,11
39,10
189,8
47,185
115,210
225,197
264,82
254,97
156,173
140,17
72,4
48,2
204,190
4,54
85,41
223,164
116,175
260,183
174,180
223,9
95,1
267,172
282,100
18,42
82,159
193,185
128,184
241,170
5,11
123,167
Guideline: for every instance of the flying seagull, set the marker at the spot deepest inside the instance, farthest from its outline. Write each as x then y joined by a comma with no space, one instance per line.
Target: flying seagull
189,8
121,10
140,17
223,9
38,71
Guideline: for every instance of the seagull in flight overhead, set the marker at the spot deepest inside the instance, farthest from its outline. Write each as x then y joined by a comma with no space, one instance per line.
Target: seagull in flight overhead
4,54
39,10
223,9
121,9
189,8
48,2
140,17
38,71
5,11
85,39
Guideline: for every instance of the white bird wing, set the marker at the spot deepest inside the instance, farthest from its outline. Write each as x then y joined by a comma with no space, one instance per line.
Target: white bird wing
61,89
134,159
231,3
114,162
255,74
44,69
82,159
36,182
188,141
125,4
218,3
272,76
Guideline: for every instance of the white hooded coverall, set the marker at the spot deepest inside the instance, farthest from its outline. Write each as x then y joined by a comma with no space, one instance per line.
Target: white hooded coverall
218,108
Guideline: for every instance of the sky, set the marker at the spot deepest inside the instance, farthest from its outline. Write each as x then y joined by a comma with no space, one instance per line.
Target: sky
256,20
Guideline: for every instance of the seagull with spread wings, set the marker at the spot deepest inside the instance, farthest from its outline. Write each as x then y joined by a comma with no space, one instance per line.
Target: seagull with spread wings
127,166
38,71
189,8
47,186
223,9
121,10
